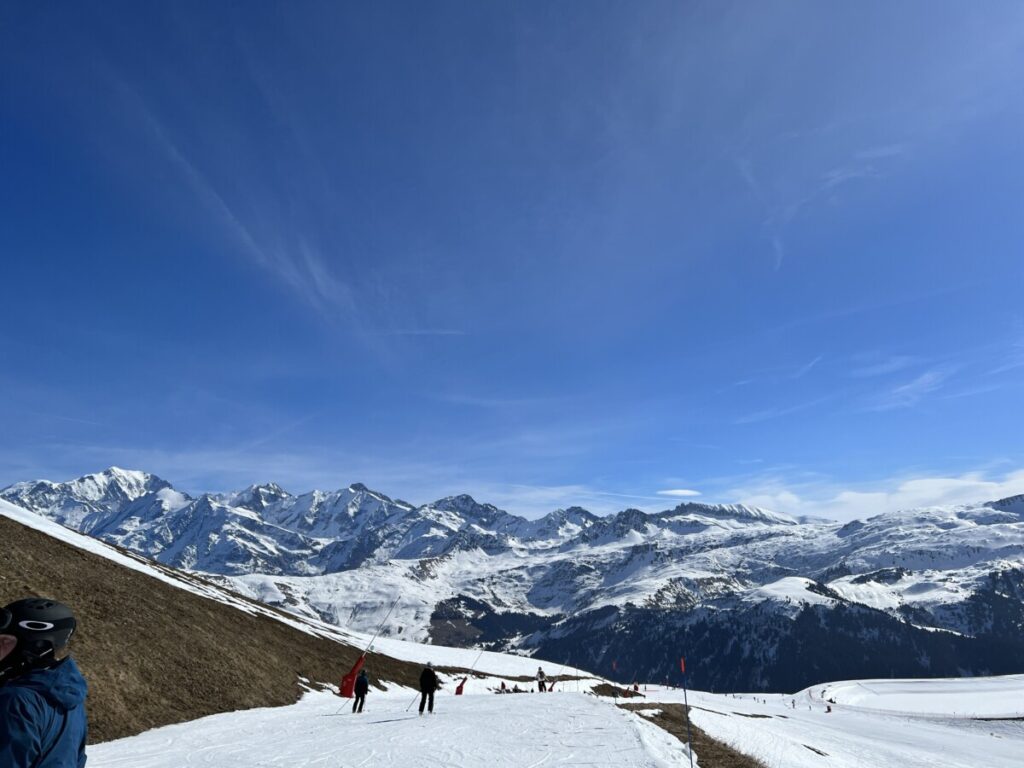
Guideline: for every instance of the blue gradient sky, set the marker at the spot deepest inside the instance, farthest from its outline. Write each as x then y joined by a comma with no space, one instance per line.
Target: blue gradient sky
545,253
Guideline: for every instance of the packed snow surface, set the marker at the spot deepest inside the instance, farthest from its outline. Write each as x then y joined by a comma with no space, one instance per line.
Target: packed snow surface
959,697
566,728
562,729
791,589
874,723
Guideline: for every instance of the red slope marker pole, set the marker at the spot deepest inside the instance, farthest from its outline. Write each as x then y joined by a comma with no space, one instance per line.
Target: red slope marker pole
460,686
348,682
686,706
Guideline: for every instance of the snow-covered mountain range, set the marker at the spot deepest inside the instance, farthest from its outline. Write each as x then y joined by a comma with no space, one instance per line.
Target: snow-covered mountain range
763,598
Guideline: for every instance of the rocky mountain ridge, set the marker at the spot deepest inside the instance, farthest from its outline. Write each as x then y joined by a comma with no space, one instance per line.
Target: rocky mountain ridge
946,584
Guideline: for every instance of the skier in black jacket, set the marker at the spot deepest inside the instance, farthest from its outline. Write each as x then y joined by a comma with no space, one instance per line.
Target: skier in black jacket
428,684
362,688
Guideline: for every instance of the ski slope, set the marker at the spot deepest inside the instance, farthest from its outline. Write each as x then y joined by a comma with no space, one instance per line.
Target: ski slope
570,729
521,730
968,697
876,723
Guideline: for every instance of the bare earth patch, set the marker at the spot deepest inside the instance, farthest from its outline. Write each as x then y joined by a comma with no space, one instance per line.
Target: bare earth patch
616,692
710,752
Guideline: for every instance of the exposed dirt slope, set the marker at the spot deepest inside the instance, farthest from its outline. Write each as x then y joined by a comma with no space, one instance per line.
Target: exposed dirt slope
154,654
710,753
616,691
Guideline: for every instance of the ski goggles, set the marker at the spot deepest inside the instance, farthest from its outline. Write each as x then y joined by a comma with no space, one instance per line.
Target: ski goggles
6,617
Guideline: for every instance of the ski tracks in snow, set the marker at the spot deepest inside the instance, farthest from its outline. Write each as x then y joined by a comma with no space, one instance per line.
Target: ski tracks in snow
521,730
766,727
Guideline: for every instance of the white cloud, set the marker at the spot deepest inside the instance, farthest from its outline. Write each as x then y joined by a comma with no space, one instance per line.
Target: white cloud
679,492
826,499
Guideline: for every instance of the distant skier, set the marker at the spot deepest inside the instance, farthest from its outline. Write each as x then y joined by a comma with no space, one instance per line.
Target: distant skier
362,688
541,680
42,699
428,684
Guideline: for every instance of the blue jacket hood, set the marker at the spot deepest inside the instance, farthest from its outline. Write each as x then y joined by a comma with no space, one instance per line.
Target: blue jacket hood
42,718
62,685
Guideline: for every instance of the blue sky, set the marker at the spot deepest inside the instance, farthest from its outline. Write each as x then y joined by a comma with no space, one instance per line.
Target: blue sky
545,253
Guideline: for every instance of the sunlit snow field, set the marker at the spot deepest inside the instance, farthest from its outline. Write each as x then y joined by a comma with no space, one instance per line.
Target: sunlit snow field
576,729
529,729
873,723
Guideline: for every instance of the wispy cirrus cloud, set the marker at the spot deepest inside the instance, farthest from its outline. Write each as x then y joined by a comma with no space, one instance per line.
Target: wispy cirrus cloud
1014,358
301,267
806,368
842,174
912,392
498,402
887,150
64,417
422,332
775,374
782,209
679,492
779,412
884,366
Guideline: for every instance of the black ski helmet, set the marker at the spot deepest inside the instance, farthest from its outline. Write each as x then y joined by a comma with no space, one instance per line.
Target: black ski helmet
42,627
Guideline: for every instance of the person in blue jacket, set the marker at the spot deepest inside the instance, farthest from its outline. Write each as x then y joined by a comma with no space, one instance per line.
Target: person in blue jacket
42,697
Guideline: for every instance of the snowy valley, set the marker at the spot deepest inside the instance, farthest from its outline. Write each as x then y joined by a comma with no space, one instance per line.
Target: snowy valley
765,600
847,724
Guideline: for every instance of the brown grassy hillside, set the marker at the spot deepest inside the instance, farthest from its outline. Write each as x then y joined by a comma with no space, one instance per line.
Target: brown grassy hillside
155,654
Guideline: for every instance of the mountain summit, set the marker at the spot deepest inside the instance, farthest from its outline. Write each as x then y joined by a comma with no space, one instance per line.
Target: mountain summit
928,589
70,503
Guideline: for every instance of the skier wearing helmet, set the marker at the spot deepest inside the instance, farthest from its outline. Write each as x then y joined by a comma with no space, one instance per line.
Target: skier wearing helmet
428,684
42,697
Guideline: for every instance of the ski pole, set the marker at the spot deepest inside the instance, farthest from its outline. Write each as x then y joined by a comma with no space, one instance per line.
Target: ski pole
381,625
567,660
412,702
459,687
